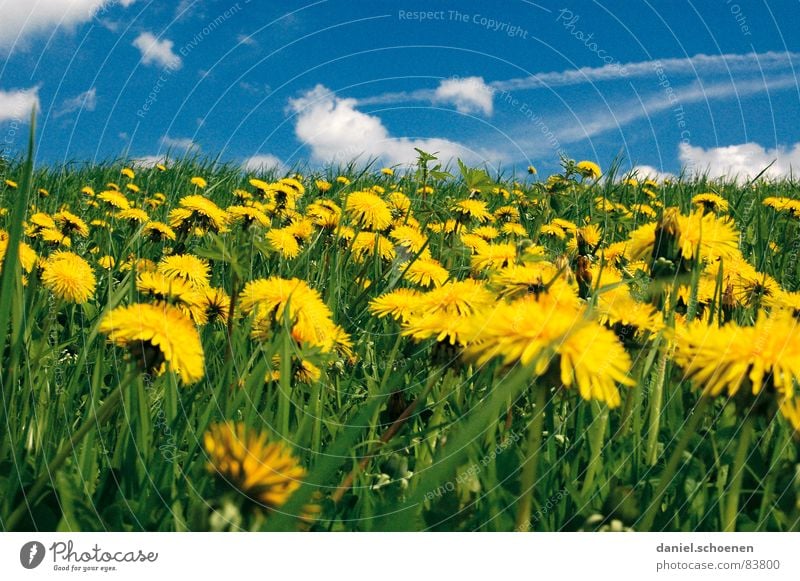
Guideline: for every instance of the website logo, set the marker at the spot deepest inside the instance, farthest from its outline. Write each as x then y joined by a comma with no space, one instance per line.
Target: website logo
31,554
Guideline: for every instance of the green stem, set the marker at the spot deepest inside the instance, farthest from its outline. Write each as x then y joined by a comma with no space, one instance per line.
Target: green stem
732,500
596,447
672,465
100,417
656,402
531,464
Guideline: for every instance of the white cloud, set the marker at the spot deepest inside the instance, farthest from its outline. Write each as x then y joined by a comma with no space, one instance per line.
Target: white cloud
263,162
335,130
21,18
674,68
642,172
158,52
178,143
741,162
86,101
147,161
17,105
694,66
469,95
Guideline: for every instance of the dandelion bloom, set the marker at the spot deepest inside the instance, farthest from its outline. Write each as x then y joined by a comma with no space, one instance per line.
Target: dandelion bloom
199,211
265,472
589,169
398,304
69,277
425,272
284,241
555,336
158,231
710,202
68,223
199,182
729,358
370,244
156,336
369,210
186,266
475,209
272,299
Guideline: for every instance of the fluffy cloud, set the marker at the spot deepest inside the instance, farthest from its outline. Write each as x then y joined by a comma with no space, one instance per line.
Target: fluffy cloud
178,143
17,105
157,52
334,130
21,18
263,162
740,162
148,161
86,101
469,95
643,172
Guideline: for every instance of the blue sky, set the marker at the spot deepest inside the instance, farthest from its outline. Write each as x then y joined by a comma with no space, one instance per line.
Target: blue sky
708,85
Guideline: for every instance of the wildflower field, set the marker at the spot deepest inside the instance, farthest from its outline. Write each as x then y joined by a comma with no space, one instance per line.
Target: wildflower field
191,347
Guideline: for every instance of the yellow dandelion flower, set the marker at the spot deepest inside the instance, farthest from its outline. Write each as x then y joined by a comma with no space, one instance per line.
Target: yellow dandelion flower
157,336
188,267
589,169
367,244
284,241
411,238
158,231
133,215
199,211
248,215
558,336
128,173
216,303
369,210
425,272
733,357
69,277
115,199
486,232
310,317
175,291
265,472
474,209
107,262
494,256
199,182
398,304
710,202
69,224
457,297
